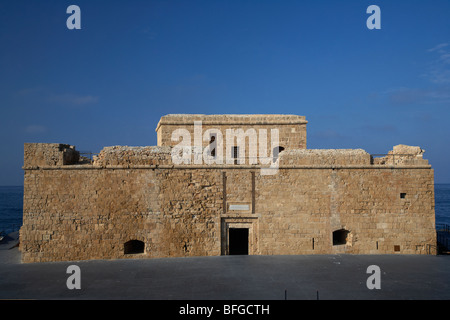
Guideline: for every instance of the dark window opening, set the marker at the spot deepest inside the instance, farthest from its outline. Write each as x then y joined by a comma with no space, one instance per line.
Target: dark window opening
238,241
276,152
133,247
235,154
340,237
402,195
396,248
213,143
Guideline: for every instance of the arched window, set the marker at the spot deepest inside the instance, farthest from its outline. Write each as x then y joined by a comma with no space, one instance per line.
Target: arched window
276,151
133,247
213,144
340,237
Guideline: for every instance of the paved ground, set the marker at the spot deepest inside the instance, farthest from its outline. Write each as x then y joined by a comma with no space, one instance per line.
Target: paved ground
228,277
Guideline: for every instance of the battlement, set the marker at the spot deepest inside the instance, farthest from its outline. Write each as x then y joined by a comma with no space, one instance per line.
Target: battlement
247,133
49,154
401,155
133,156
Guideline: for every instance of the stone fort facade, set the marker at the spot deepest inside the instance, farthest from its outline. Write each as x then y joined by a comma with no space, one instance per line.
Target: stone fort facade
136,202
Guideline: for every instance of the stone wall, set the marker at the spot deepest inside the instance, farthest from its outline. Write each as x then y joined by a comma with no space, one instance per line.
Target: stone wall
49,154
132,156
75,214
190,207
402,155
309,204
76,211
325,157
291,129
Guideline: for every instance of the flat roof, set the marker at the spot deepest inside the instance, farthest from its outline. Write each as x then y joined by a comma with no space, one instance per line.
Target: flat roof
233,119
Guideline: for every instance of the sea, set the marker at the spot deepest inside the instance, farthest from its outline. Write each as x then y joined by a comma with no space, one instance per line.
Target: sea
11,204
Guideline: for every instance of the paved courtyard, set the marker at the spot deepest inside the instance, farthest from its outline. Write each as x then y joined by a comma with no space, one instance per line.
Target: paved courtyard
229,277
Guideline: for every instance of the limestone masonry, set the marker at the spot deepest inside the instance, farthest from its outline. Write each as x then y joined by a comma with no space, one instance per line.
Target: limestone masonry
135,202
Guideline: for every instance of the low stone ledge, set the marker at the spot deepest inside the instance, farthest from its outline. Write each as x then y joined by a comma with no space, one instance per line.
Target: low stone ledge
224,167
231,119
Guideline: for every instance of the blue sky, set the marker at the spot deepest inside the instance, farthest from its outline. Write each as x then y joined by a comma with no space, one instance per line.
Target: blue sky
135,61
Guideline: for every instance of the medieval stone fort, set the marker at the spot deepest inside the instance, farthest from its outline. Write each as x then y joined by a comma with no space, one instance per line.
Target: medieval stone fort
149,202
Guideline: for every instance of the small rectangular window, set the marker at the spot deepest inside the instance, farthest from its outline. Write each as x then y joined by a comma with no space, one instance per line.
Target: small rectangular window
396,248
235,154
402,195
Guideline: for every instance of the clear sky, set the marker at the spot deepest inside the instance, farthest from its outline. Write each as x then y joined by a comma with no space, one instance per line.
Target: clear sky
135,61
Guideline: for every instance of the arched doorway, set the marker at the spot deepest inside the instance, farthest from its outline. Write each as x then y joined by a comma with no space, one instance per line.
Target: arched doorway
340,237
133,247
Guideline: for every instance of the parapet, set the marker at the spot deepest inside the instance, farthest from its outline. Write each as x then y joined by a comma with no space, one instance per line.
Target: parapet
325,157
402,155
54,155
231,119
49,154
133,156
